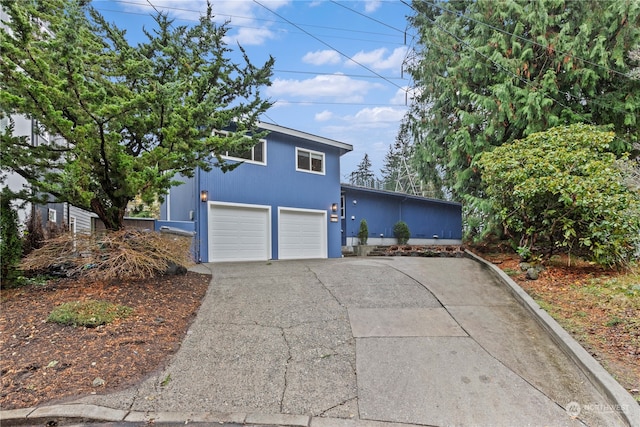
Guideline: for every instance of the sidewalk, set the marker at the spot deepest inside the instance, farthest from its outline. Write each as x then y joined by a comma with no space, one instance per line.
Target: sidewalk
367,342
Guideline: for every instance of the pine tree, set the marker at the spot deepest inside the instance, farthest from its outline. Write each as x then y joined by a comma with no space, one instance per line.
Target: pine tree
493,72
363,176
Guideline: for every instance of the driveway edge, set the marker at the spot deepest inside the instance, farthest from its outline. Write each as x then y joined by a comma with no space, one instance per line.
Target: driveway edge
619,399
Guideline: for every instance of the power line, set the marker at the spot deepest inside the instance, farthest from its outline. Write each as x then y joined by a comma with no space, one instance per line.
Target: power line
329,46
366,16
350,30
318,73
361,104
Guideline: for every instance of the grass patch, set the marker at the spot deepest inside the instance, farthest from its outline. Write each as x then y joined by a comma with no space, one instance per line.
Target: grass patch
511,272
89,313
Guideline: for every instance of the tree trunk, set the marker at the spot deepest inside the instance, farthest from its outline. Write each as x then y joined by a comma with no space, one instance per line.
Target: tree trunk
113,218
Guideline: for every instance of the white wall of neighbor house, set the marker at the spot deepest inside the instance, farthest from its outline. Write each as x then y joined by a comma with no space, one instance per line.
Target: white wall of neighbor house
82,218
22,127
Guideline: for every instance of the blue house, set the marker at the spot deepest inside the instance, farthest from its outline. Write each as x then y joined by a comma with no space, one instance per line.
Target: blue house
285,201
281,203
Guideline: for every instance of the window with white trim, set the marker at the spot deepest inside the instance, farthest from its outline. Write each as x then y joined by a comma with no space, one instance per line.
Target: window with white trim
52,217
309,161
256,154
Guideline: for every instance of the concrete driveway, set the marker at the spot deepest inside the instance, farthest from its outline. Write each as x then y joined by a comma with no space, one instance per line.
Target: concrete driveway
366,342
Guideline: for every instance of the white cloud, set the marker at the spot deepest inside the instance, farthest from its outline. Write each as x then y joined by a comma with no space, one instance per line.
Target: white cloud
377,116
372,5
250,36
322,57
379,60
242,16
323,116
336,86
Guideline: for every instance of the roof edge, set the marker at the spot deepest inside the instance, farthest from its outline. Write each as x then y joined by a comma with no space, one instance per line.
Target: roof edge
344,147
397,194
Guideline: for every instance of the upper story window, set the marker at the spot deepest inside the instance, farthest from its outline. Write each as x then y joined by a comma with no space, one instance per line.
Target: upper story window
309,161
257,153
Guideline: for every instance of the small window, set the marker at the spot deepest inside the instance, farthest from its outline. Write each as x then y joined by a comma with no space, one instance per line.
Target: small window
309,161
257,153
342,204
52,215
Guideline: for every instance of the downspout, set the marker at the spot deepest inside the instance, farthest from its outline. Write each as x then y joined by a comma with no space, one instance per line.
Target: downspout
400,208
196,213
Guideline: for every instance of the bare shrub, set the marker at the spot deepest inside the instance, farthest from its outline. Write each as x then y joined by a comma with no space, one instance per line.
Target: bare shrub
124,254
33,237
53,230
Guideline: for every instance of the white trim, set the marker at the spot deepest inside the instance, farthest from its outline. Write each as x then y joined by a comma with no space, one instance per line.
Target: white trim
251,161
305,136
311,152
324,249
73,228
209,220
52,215
226,133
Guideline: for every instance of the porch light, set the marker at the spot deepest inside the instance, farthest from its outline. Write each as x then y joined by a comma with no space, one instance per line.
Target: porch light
204,196
334,207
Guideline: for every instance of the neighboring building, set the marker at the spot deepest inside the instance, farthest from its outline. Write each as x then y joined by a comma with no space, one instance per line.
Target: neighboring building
430,221
284,202
58,215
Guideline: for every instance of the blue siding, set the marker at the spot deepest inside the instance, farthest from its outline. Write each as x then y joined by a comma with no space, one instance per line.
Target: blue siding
276,184
426,218
181,200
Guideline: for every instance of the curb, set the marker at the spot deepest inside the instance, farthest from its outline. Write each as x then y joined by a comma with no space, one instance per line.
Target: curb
73,413
619,399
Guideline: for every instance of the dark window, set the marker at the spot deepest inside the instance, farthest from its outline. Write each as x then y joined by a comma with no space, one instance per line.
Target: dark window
310,161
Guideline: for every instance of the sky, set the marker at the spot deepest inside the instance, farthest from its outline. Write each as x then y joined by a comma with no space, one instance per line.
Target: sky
338,69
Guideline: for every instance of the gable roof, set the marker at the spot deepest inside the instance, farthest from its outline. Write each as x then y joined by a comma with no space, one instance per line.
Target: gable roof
344,148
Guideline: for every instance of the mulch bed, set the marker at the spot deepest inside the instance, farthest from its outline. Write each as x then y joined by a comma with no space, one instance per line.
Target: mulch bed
41,362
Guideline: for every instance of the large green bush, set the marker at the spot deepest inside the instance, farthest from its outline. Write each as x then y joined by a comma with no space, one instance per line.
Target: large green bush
10,243
401,232
562,189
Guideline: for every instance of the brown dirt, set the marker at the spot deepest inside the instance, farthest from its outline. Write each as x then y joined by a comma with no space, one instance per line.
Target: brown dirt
41,362
562,291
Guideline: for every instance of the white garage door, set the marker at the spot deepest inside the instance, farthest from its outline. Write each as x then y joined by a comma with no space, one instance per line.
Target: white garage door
239,232
302,234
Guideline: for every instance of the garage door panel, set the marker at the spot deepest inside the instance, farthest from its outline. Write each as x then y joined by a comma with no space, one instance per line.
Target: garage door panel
302,234
239,233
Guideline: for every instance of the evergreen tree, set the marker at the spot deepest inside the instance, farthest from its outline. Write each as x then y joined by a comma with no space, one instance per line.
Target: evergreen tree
399,171
10,244
493,72
363,175
130,117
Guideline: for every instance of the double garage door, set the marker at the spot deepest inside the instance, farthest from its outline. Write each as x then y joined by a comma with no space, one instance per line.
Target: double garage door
239,232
